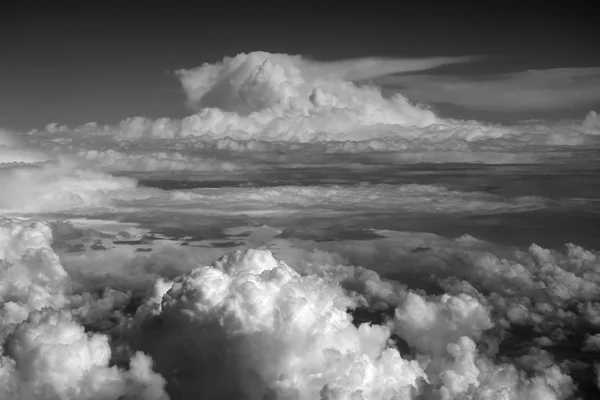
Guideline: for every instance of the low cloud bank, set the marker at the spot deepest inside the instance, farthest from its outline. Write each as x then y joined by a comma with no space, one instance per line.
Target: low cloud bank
252,327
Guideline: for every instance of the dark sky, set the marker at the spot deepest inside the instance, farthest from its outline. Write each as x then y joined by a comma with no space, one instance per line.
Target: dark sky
98,64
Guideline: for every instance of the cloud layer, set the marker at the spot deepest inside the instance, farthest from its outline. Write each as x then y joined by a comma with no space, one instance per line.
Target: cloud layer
251,326
532,90
274,106
256,266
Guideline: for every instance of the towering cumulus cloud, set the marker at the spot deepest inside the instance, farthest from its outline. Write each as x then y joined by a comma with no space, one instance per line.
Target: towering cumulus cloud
267,90
279,103
300,236
265,328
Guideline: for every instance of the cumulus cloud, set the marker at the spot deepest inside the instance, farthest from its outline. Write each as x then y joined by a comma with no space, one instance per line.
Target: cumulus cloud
248,326
247,290
271,331
53,357
283,334
274,95
288,109
46,353
33,282
592,121
531,90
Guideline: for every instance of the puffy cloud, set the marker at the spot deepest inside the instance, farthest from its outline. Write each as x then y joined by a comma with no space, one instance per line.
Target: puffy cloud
252,317
447,318
53,357
251,82
261,95
32,276
262,110
592,121
270,330
431,326
46,353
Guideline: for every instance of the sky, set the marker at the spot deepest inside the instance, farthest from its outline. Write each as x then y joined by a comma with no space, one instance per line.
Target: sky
255,203
103,63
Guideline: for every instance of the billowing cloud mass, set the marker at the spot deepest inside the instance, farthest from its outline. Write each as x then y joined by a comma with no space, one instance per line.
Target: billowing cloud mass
300,236
265,114
250,325
46,353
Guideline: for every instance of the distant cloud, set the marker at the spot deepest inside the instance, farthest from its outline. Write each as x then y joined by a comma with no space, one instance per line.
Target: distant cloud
531,90
321,298
259,110
360,69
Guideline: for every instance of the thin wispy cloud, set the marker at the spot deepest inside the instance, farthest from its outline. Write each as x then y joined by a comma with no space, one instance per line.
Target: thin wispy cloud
531,90
360,69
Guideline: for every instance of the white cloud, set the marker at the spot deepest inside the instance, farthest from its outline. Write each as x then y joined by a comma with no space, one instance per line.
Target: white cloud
284,333
28,283
431,326
361,69
112,160
257,109
329,201
46,353
272,328
532,90
592,121
139,318
53,357
60,186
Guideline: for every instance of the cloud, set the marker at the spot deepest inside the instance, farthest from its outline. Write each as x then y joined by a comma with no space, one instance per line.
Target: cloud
251,325
260,112
112,160
46,353
531,90
257,292
592,343
262,89
53,357
14,151
279,108
287,334
61,185
592,121
362,69
337,200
